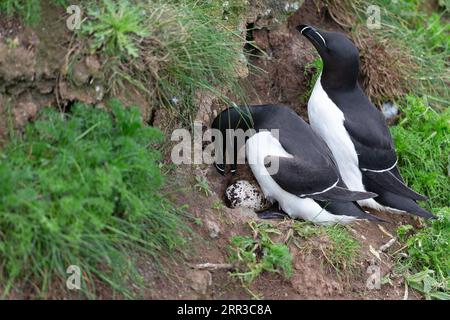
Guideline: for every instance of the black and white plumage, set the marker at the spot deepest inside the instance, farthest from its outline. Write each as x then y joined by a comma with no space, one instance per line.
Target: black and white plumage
307,183
354,129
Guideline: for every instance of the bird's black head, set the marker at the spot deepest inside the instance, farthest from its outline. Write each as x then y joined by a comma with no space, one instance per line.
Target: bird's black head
339,55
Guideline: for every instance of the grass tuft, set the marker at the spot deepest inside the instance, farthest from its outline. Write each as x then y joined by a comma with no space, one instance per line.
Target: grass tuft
116,27
422,141
167,49
28,10
82,189
253,255
427,264
334,243
423,145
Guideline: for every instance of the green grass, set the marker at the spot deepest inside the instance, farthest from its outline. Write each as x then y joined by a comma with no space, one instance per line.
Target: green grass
312,71
116,27
337,246
267,250
427,265
83,189
422,140
254,255
28,10
166,49
202,186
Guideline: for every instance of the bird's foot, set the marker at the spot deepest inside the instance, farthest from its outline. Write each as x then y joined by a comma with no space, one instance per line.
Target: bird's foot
273,212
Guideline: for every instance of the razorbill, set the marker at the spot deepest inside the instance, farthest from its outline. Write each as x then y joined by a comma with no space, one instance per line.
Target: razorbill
307,183
354,129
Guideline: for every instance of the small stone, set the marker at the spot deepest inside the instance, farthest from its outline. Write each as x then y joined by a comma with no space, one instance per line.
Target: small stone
80,74
213,228
93,65
200,281
23,112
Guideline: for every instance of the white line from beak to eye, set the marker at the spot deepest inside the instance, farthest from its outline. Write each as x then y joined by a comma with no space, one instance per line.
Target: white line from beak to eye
303,29
308,27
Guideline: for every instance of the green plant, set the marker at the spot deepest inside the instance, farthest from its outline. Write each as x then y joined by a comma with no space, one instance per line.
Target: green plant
335,243
218,205
422,141
253,255
29,10
83,189
427,264
312,70
202,185
116,27
169,50
12,43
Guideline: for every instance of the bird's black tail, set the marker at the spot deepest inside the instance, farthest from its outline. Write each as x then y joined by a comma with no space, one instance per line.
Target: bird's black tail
348,209
390,182
402,203
392,195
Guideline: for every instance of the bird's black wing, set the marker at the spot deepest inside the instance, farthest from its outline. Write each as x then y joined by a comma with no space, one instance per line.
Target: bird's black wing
372,140
307,179
373,143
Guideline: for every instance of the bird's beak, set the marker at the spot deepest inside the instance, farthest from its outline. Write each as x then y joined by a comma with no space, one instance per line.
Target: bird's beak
312,35
220,168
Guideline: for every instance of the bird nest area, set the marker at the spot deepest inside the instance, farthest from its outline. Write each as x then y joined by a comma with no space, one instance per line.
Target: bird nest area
227,247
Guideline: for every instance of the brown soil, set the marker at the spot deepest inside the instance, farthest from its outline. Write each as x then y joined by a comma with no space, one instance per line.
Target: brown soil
30,79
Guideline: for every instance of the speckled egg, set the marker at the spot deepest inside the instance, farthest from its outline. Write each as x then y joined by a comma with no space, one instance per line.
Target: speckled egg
244,194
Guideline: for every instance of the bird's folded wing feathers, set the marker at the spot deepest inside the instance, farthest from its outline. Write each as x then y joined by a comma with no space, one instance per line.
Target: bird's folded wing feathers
373,144
305,179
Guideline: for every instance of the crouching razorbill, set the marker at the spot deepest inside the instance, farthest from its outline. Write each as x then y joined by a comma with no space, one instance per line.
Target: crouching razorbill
306,183
354,129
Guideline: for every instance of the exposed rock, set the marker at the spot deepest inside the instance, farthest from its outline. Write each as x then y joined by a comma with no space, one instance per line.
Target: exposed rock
213,228
86,94
45,87
80,73
93,65
199,281
16,64
271,12
204,100
23,112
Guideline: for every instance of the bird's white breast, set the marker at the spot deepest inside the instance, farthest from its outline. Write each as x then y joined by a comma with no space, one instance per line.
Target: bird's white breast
327,120
263,144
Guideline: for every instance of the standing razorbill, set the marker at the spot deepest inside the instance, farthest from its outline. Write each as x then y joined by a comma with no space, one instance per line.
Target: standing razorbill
307,183
353,128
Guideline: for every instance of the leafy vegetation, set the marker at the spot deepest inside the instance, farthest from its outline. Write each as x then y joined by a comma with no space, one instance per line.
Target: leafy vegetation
253,255
82,189
312,71
116,27
427,264
422,141
166,49
423,144
202,185
29,10
335,243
